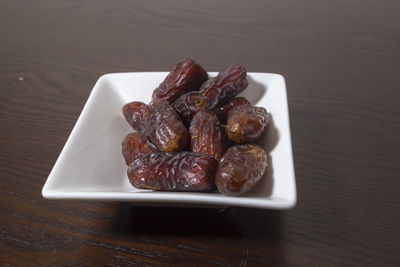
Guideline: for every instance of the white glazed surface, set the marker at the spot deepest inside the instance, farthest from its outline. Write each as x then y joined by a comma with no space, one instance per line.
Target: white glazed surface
91,165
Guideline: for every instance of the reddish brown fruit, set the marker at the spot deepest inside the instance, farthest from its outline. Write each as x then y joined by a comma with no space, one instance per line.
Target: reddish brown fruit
183,171
222,111
206,134
246,124
240,169
135,144
186,76
229,82
137,115
165,128
189,104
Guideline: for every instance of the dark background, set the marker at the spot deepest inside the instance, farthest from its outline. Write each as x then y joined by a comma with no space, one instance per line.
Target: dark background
341,61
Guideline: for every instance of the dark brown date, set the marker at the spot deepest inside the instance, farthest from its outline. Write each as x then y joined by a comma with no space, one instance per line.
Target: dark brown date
165,128
246,124
240,169
183,171
135,144
222,111
206,134
189,104
186,76
137,115
229,82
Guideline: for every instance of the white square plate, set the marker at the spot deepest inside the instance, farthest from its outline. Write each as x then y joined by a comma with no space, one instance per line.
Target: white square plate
91,165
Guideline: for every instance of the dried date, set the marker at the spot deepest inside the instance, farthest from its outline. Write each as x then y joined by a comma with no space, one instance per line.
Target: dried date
222,111
186,76
182,171
137,115
135,144
189,104
246,124
206,134
165,128
229,82
240,169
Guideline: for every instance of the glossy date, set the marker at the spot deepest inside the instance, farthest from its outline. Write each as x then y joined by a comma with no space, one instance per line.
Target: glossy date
135,144
246,124
240,169
189,104
186,76
137,114
182,171
206,134
222,111
165,128
229,82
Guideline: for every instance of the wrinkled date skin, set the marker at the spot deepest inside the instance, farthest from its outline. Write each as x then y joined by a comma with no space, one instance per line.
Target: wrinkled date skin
206,134
137,114
240,169
183,171
189,104
135,144
229,82
186,76
222,111
165,128
246,124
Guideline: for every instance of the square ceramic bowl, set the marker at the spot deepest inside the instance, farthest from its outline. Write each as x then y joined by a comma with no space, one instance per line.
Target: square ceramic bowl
91,166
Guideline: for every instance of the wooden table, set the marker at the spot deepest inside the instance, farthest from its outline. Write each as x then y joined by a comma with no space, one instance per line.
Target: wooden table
341,61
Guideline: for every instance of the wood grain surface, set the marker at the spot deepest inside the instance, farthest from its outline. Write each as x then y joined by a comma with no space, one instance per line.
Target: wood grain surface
341,61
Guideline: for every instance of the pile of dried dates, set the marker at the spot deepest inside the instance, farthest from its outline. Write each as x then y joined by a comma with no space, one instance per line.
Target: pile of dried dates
194,135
